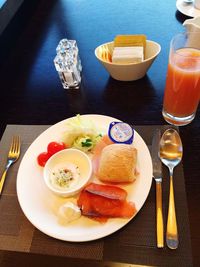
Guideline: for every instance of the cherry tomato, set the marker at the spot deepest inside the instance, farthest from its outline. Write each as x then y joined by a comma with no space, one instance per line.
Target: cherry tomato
54,147
42,158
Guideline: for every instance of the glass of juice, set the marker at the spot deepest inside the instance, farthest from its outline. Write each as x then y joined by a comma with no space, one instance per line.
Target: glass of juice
182,90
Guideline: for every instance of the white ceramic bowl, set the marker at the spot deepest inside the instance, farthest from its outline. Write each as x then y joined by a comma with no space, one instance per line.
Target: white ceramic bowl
66,159
130,71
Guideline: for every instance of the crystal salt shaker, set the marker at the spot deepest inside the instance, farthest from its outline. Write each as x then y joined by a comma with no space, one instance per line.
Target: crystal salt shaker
68,63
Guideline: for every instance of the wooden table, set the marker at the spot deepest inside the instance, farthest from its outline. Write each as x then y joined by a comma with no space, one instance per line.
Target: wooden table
31,92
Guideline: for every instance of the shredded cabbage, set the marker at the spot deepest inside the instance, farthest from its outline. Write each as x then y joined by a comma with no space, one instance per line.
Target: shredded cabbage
81,133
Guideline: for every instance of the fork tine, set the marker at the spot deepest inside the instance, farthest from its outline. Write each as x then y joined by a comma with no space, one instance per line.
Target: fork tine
15,144
12,144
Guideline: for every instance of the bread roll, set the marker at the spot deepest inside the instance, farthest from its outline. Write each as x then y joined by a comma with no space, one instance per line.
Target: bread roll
118,163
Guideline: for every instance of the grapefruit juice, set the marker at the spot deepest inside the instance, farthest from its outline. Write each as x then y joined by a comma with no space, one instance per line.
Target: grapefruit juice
182,91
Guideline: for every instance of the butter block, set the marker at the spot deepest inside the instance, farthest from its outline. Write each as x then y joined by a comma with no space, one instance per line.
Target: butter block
129,48
123,55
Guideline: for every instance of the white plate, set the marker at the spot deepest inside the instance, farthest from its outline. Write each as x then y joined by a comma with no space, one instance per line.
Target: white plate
40,205
187,9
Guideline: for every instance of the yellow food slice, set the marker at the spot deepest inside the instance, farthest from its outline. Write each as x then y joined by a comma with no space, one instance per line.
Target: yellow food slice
130,40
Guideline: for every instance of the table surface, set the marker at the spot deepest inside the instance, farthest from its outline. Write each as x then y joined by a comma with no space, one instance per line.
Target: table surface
31,92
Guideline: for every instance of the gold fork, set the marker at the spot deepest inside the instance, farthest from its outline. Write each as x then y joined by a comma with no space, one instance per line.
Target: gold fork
13,155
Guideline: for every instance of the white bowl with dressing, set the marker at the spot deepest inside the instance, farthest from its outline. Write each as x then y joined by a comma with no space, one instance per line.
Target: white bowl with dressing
129,71
67,172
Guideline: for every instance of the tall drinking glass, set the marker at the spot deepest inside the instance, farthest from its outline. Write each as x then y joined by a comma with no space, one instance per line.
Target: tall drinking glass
182,91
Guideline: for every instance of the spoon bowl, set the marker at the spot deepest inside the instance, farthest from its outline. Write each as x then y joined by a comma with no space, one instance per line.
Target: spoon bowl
171,151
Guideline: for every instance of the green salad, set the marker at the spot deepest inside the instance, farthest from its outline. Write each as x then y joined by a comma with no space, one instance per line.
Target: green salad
81,133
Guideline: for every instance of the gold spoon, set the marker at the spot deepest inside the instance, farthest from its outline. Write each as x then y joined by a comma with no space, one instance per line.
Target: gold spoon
171,151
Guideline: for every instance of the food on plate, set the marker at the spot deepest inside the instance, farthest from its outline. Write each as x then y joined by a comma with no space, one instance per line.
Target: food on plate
65,175
98,204
81,133
106,191
52,148
105,141
42,158
68,212
129,49
116,163
67,172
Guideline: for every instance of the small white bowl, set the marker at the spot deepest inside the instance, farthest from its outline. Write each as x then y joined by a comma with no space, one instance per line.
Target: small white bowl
75,160
130,71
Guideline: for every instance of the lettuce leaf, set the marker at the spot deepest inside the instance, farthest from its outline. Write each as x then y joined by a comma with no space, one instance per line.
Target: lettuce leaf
81,133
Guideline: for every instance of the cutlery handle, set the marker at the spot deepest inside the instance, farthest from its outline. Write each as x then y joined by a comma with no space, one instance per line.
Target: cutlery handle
159,216
3,177
172,232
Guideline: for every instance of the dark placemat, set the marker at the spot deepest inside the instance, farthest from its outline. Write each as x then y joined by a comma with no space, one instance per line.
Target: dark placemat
135,243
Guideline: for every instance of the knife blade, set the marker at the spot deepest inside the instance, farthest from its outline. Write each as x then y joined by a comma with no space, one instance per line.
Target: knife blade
157,174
